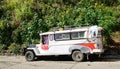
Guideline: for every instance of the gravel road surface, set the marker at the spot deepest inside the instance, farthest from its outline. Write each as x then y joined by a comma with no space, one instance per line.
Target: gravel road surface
19,62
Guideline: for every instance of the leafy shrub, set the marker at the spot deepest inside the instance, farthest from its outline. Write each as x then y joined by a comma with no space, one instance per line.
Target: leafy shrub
2,47
14,48
24,19
23,49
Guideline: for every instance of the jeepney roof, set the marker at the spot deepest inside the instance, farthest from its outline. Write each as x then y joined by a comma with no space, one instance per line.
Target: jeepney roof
46,33
70,30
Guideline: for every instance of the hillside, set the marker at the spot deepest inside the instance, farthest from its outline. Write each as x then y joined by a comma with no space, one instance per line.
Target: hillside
22,20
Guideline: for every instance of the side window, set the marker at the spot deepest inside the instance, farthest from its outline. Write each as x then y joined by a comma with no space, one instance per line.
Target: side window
58,36
62,36
74,35
77,35
81,34
66,36
45,39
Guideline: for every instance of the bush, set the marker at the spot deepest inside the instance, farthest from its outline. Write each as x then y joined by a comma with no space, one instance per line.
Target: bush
23,49
2,47
14,48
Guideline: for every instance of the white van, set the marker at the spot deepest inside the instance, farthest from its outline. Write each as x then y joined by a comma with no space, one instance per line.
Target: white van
71,41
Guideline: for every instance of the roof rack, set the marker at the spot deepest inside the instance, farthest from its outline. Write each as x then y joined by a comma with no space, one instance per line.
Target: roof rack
67,27
62,28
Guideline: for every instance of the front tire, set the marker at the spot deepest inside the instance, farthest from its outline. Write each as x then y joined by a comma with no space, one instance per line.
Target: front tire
77,56
29,56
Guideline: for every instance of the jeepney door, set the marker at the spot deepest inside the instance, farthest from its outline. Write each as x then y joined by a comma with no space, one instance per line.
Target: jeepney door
45,42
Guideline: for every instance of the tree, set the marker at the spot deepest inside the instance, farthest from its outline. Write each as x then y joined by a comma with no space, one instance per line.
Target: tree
22,20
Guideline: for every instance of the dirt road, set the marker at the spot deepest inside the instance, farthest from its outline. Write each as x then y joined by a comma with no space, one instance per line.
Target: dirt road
18,62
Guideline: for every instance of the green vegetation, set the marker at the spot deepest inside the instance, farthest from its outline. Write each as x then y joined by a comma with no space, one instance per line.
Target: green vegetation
22,20
14,48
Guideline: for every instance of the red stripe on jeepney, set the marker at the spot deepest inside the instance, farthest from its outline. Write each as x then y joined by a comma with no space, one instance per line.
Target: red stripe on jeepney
90,45
44,47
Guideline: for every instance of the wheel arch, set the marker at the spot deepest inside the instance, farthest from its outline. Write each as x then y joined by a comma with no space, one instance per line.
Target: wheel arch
30,50
34,50
79,48
75,50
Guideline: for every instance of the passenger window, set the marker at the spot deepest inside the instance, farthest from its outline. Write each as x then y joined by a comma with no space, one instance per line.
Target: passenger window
66,36
81,34
45,39
62,36
58,36
77,35
74,35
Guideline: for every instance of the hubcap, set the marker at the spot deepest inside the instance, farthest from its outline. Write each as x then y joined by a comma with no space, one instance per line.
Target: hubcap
29,56
78,56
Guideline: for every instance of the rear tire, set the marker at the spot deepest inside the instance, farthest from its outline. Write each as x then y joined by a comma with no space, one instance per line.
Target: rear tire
77,56
29,56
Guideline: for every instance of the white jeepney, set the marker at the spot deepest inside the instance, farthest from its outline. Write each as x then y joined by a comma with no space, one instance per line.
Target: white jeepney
76,42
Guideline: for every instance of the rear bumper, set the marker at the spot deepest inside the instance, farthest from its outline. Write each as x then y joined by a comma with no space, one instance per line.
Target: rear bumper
98,51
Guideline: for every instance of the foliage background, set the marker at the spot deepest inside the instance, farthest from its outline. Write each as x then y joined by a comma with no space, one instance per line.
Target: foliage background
22,20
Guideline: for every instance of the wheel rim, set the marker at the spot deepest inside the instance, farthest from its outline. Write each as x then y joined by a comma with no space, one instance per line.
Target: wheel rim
77,56
29,56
